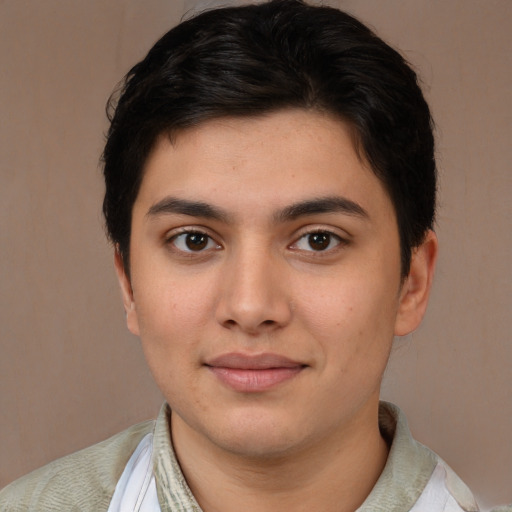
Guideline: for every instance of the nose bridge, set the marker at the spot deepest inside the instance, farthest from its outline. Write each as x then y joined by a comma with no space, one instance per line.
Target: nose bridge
253,296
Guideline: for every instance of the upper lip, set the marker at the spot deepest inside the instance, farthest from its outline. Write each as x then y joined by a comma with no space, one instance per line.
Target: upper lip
241,361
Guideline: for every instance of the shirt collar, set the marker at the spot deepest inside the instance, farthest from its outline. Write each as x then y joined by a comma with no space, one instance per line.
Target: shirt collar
408,467
173,491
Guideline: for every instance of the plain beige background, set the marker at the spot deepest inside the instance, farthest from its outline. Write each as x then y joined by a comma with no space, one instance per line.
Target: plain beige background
71,374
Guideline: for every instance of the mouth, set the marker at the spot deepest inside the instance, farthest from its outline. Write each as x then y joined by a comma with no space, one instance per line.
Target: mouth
254,373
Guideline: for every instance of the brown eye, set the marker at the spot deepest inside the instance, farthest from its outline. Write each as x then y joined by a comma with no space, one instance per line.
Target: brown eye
196,241
319,241
193,241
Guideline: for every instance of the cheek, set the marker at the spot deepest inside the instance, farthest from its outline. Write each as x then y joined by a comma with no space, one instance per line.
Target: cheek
171,315
169,333
170,305
353,321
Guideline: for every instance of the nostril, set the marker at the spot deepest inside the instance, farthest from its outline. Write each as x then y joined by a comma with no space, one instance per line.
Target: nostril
266,323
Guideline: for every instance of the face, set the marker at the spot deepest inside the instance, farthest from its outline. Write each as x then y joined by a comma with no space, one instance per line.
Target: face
265,281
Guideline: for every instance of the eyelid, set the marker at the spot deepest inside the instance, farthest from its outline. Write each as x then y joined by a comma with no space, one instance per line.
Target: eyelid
342,237
173,234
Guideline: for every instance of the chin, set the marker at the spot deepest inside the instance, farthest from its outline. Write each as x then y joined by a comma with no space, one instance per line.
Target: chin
258,436
260,447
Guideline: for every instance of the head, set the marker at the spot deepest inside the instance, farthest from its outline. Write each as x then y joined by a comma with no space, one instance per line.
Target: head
257,59
270,189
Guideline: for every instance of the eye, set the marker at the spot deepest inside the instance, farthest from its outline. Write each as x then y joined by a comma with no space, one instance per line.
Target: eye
318,241
193,241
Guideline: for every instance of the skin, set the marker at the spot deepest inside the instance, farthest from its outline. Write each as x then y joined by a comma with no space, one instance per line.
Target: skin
256,282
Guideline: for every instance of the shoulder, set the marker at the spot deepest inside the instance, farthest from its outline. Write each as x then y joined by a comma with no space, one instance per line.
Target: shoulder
83,481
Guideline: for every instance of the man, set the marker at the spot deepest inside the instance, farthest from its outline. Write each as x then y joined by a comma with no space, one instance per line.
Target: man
270,194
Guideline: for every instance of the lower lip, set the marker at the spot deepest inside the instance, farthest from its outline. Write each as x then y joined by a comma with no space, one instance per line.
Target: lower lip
254,381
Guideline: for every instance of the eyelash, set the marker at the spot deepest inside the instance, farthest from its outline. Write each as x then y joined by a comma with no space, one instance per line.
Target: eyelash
187,232
331,237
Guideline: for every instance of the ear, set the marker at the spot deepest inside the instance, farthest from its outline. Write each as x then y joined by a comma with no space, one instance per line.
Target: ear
127,294
416,286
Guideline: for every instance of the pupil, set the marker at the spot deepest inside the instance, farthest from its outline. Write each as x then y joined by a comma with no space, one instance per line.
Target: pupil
319,241
196,241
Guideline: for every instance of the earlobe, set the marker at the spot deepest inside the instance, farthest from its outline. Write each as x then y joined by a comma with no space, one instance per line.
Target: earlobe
126,293
416,287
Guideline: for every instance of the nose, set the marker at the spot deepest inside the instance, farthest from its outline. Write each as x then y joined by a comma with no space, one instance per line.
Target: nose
254,296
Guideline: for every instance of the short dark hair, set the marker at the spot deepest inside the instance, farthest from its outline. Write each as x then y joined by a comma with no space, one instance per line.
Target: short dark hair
255,59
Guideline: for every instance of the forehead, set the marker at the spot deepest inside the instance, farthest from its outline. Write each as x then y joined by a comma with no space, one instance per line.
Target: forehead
272,160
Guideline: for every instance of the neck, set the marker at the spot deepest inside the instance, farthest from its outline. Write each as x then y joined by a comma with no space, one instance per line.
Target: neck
336,474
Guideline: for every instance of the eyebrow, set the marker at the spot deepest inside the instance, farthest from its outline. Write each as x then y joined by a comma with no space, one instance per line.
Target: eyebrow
169,205
316,206
330,204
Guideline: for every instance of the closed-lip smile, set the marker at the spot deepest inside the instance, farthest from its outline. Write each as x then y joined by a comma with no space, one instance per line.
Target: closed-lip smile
249,373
